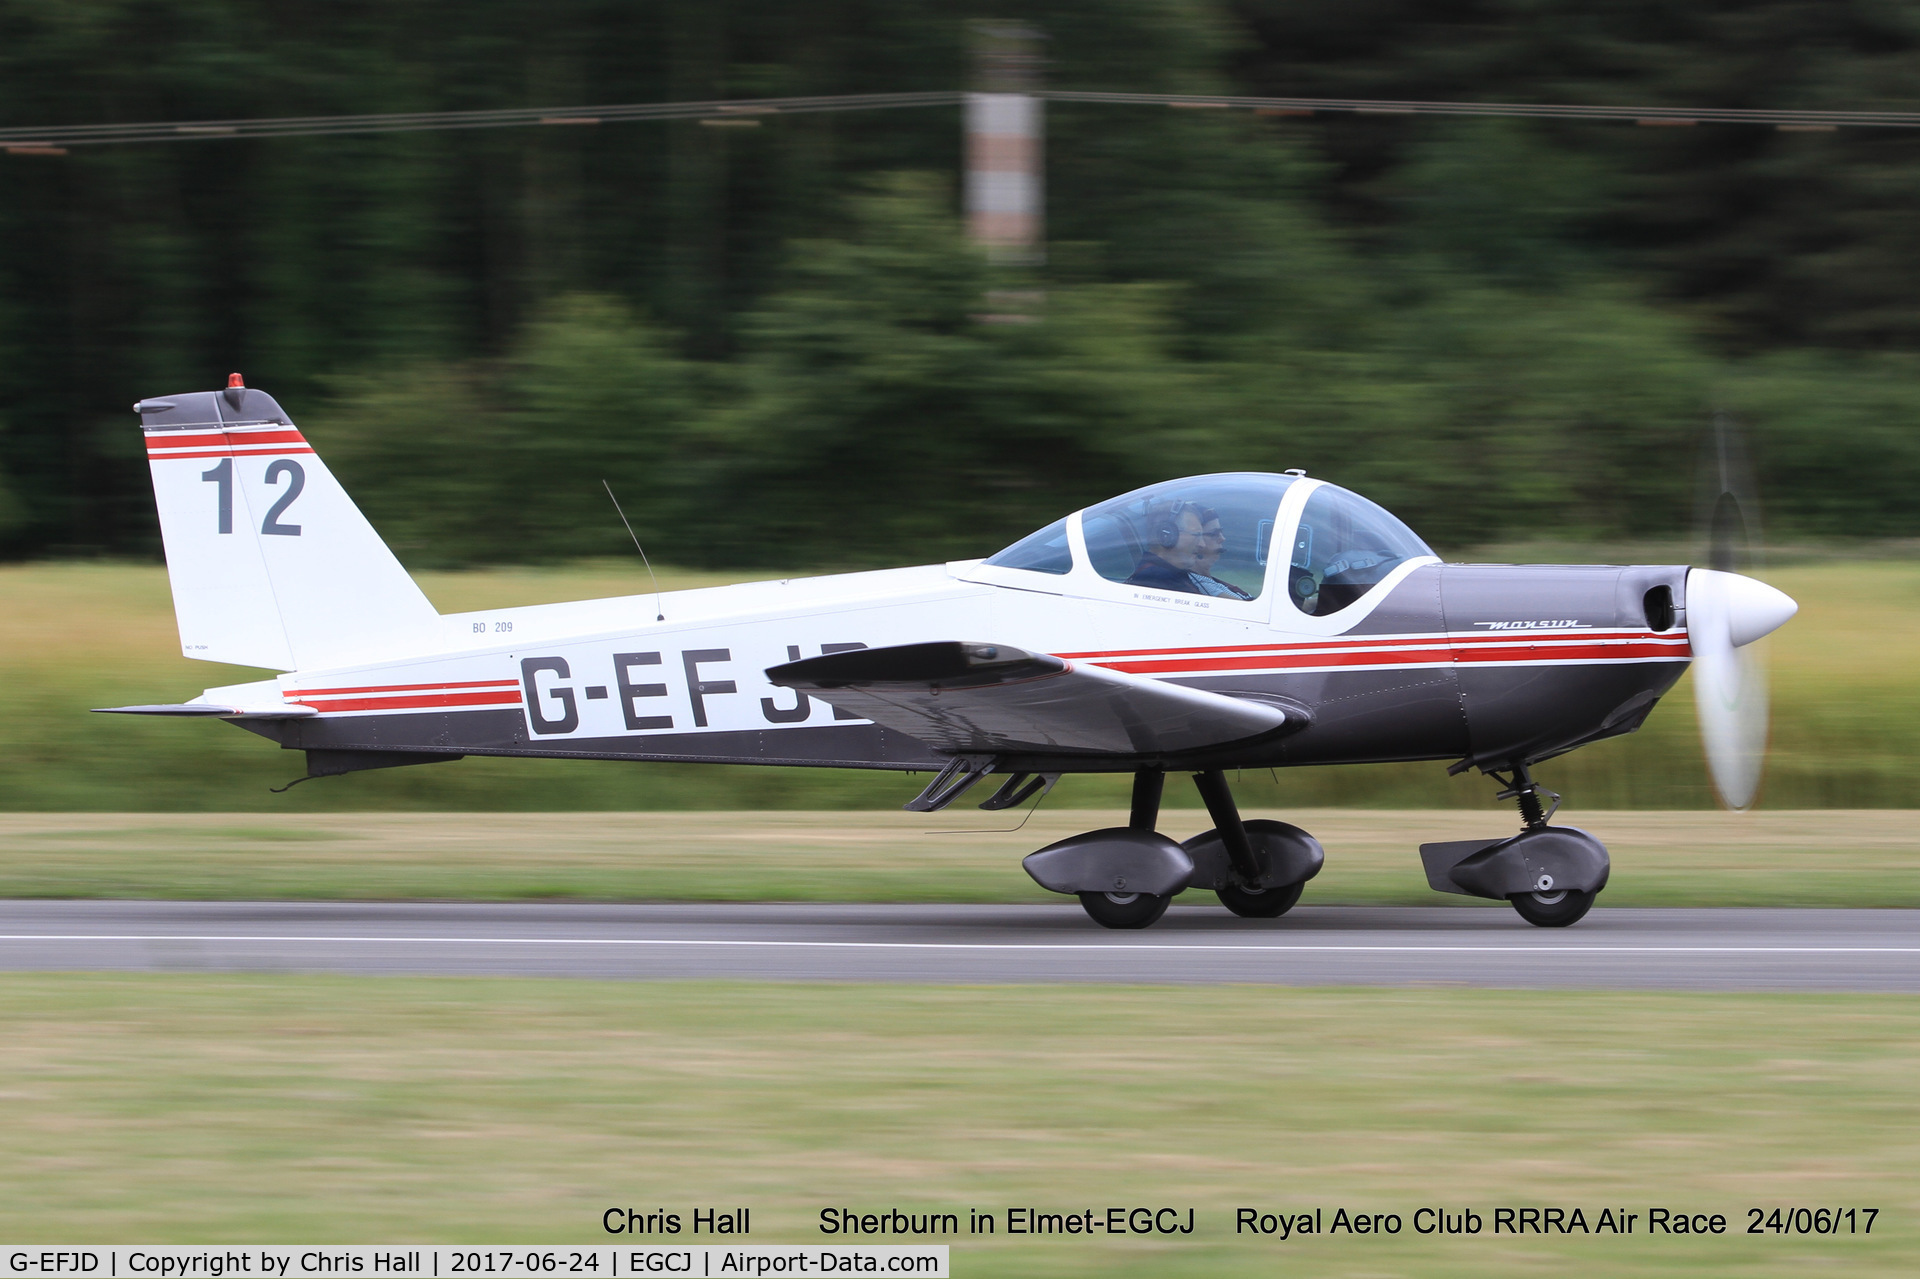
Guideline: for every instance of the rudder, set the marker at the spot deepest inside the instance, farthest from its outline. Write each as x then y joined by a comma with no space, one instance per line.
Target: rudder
270,561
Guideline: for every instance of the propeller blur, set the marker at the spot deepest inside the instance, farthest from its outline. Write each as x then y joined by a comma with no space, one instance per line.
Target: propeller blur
1727,616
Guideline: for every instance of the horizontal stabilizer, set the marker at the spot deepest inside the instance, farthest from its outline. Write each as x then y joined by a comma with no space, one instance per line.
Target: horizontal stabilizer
204,709
993,698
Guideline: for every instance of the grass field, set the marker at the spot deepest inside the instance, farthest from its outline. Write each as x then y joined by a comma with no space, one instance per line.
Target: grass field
272,1107
80,635
176,1108
1809,858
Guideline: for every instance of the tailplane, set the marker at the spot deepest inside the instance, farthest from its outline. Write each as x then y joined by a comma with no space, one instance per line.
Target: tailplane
271,562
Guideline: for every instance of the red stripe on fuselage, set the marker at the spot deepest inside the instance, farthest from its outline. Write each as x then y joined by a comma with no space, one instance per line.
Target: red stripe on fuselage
1360,655
1283,661
1383,641
415,702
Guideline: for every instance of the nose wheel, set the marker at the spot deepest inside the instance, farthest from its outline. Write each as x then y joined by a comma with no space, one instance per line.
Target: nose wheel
1545,906
1552,910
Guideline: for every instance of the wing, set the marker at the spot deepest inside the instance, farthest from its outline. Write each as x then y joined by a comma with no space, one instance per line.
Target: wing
969,698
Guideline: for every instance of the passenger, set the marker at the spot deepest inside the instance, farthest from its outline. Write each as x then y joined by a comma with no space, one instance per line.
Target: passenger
1184,541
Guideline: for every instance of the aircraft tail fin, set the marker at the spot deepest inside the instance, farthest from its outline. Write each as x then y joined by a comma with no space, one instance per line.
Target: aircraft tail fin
270,561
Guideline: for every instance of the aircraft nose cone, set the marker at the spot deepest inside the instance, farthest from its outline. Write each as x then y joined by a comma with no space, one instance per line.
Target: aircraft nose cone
1753,608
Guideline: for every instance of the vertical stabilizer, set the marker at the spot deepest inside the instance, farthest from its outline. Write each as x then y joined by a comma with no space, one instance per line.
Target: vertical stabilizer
271,562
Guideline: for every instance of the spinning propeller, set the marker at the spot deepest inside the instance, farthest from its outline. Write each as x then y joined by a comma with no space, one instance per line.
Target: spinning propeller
1728,613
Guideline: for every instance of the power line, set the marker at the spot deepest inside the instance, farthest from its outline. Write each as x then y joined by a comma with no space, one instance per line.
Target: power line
421,121
58,138
1820,121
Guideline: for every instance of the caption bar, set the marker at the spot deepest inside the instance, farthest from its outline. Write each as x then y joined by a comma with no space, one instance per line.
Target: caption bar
449,1261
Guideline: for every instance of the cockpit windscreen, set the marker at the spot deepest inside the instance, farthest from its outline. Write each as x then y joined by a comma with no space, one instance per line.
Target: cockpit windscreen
1344,546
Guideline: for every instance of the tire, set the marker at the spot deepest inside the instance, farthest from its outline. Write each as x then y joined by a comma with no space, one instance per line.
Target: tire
1125,910
1257,903
1553,910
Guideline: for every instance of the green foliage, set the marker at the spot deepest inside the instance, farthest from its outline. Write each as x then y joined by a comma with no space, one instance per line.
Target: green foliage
496,461
894,401
1468,420
1837,439
596,395
897,398
1500,200
1771,239
778,348
416,449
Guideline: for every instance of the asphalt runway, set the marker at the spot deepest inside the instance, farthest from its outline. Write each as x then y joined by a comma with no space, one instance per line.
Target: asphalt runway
1724,949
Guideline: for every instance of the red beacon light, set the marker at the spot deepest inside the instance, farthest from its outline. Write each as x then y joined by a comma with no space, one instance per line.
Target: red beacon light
236,391
234,380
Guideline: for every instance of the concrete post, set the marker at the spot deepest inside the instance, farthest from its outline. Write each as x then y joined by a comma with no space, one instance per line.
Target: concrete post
1005,192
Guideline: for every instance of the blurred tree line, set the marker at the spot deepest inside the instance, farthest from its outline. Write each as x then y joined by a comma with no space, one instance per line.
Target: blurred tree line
776,344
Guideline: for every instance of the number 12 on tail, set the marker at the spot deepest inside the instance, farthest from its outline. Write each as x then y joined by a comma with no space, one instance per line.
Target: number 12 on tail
222,475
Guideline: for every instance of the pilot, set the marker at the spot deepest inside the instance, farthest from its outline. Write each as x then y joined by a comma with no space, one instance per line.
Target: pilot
1184,541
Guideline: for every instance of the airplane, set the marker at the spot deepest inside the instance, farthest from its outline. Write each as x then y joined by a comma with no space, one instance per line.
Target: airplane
1202,625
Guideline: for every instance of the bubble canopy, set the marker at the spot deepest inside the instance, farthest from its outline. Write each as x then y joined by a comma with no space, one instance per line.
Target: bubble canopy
1214,535
1205,535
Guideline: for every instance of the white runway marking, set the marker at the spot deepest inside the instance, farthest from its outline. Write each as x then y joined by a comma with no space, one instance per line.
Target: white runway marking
1118,948
1624,948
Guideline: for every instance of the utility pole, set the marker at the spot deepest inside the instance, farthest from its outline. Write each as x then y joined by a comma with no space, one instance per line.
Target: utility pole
1004,138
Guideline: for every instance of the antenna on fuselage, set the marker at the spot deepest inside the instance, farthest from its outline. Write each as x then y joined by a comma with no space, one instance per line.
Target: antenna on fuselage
659,615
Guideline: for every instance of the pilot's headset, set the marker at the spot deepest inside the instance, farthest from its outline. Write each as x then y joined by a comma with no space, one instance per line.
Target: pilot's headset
1167,532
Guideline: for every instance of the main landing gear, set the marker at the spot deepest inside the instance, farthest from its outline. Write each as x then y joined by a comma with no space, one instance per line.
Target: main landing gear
1125,877
1550,875
1134,910
1125,910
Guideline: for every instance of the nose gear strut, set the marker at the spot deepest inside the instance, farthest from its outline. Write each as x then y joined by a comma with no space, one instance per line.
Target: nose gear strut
1527,792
